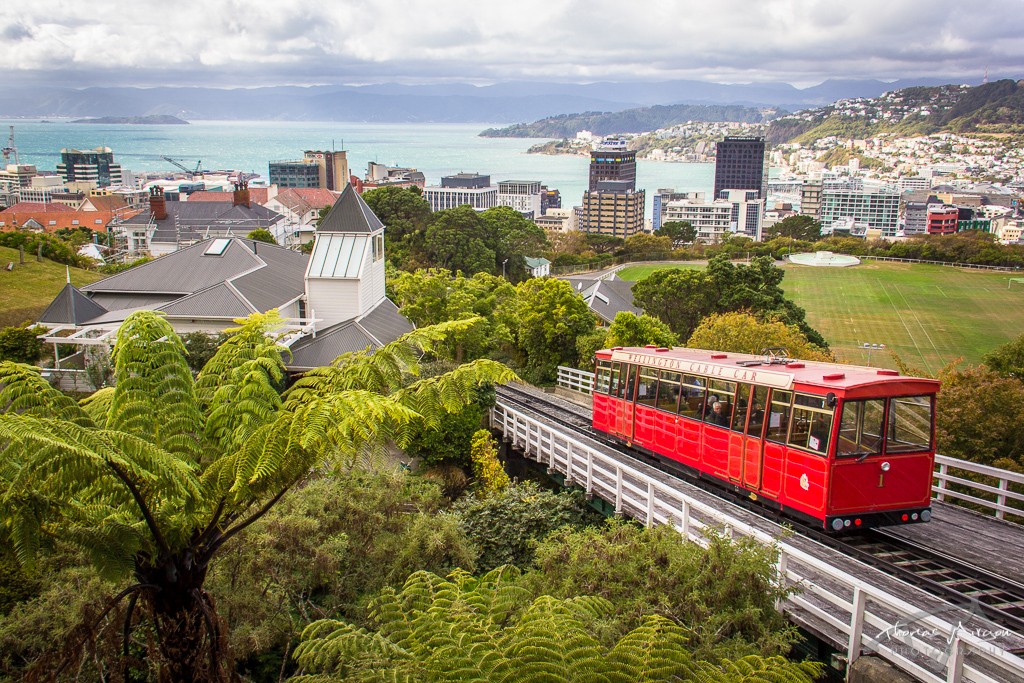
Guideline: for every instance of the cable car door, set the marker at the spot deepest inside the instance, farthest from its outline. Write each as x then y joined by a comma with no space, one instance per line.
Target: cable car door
753,445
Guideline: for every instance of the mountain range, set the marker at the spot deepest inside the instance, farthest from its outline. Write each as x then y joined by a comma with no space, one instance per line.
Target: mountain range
391,102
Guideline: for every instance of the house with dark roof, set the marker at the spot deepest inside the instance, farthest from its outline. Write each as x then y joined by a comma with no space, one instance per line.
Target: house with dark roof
171,225
606,297
333,300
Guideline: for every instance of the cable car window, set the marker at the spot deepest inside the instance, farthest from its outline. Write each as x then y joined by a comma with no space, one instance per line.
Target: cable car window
723,393
604,377
755,424
647,387
613,388
668,390
812,423
739,415
778,418
910,424
691,402
860,428
628,381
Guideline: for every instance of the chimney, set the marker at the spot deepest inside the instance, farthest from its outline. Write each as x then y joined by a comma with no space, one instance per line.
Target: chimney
241,194
157,203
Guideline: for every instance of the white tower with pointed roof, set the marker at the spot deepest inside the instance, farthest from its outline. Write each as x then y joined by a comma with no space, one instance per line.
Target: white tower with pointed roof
345,275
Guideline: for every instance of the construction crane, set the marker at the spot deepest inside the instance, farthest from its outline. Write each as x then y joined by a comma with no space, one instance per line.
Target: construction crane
191,173
10,149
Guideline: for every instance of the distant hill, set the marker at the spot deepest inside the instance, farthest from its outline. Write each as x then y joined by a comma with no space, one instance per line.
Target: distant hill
441,102
638,120
152,120
996,107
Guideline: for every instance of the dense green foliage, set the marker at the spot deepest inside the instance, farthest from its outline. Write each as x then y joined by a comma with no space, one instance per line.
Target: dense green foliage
486,629
724,594
980,417
797,227
506,526
1008,359
682,298
744,333
545,319
151,478
262,235
48,246
680,232
20,344
630,329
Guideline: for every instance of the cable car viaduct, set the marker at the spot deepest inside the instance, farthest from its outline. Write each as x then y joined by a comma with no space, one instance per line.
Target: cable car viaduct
857,608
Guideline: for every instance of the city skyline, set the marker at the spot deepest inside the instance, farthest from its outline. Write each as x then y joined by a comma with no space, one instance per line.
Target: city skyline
802,42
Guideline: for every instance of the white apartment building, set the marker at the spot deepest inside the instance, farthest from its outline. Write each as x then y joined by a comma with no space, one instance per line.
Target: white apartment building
480,198
522,195
879,210
738,211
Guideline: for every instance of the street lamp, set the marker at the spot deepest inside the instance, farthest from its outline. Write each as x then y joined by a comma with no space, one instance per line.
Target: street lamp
870,348
503,267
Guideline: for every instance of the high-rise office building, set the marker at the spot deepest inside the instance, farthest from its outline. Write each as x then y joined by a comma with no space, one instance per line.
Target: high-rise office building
298,173
740,165
471,189
612,162
95,167
612,205
522,195
332,166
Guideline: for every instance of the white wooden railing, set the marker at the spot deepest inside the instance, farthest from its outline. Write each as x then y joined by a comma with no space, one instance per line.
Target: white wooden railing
869,619
575,380
583,382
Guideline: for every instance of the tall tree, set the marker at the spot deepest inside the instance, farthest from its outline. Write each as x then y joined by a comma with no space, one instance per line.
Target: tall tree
680,298
1008,359
796,227
680,232
457,240
153,477
629,329
744,333
405,214
513,239
545,319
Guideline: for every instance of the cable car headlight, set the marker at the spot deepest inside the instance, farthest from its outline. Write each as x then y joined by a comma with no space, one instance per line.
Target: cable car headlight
886,466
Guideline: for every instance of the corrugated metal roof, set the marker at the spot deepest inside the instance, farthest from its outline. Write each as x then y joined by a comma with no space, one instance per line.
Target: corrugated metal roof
71,307
182,272
269,288
385,323
350,214
113,301
382,325
217,301
315,352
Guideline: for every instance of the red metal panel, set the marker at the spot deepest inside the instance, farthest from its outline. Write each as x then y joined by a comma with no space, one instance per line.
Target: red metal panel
805,482
865,487
666,427
715,453
688,442
752,464
735,467
604,413
644,425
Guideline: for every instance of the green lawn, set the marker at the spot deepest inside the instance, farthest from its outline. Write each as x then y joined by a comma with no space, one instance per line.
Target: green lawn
929,315
26,291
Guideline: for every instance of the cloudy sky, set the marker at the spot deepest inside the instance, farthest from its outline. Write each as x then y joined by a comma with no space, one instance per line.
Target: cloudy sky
275,42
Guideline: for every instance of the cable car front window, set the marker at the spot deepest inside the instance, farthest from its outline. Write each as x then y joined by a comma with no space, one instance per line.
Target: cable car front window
910,424
860,429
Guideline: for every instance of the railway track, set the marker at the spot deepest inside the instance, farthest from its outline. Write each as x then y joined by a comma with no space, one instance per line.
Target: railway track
980,591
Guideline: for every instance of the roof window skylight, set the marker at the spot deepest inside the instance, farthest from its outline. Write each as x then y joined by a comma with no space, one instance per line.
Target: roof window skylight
217,247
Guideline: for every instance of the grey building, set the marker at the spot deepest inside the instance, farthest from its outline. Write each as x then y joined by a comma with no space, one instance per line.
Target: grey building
740,165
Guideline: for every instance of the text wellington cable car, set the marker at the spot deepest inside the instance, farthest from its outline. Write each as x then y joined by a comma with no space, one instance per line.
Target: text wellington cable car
843,446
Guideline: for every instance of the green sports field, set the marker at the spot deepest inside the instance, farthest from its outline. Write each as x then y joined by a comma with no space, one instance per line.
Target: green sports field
929,315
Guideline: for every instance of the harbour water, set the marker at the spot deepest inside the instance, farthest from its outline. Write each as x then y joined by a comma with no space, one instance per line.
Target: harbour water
437,149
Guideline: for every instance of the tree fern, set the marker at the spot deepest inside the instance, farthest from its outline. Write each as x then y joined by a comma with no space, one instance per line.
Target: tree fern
153,476
461,628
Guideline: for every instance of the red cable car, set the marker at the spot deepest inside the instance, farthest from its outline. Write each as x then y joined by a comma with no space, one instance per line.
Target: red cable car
841,446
